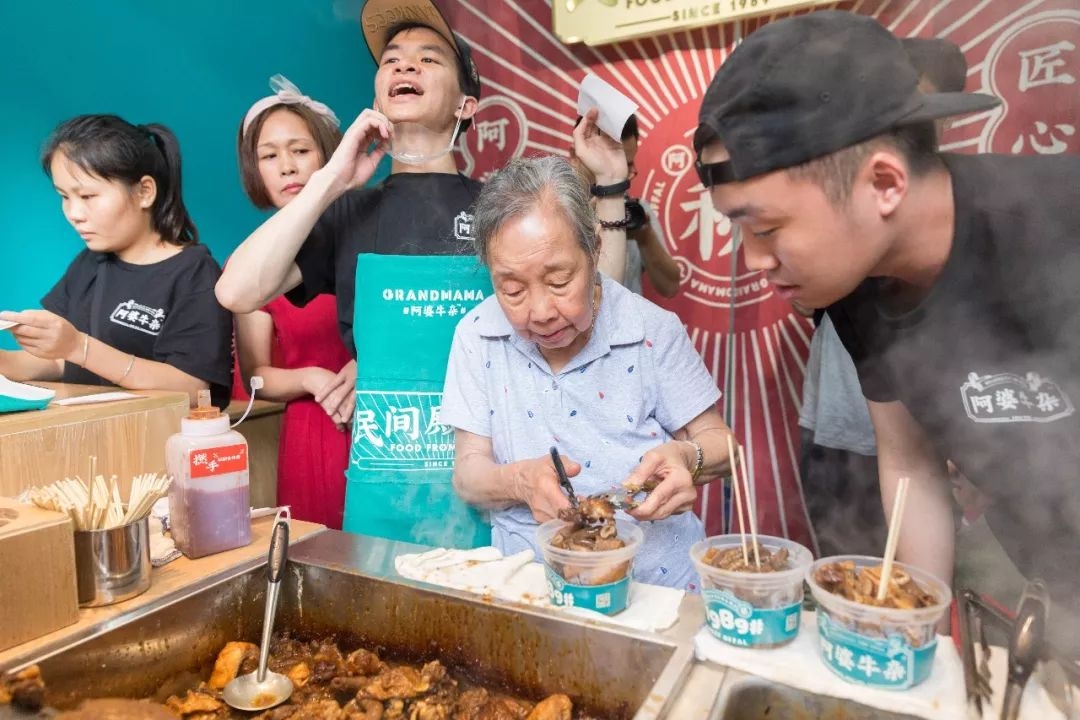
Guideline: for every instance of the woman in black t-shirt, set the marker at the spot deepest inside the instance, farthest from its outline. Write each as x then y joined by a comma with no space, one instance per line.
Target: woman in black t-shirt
136,308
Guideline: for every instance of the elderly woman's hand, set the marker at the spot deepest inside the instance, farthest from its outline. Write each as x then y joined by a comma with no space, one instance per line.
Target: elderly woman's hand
537,485
601,155
664,471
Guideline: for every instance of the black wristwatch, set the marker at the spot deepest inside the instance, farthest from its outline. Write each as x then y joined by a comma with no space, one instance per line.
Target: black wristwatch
618,188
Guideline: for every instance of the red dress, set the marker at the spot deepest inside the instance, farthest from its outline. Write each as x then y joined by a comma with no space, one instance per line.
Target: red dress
312,452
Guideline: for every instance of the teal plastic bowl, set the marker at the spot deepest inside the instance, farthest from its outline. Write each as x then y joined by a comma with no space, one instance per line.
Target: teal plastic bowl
17,397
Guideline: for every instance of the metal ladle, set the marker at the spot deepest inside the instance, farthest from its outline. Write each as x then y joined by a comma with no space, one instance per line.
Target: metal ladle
263,689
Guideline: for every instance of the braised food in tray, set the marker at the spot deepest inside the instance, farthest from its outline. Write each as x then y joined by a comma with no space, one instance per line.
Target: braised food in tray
329,683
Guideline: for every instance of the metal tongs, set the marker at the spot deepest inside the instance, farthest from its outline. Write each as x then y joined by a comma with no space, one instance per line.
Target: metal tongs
1027,643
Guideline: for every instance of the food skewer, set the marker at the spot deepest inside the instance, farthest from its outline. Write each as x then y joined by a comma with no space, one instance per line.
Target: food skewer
894,535
738,497
750,514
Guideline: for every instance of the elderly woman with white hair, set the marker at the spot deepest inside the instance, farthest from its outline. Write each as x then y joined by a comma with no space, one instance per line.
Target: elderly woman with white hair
563,356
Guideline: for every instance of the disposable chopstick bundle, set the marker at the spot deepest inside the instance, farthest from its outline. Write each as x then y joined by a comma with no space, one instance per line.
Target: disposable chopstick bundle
98,504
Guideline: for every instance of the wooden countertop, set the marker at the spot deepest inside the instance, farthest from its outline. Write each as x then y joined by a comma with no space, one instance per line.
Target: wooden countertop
169,579
68,414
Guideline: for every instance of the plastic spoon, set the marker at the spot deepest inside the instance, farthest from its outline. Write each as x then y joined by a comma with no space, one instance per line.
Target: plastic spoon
263,689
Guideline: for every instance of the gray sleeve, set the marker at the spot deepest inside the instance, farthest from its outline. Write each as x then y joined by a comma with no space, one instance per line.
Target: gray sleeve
465,402
684,387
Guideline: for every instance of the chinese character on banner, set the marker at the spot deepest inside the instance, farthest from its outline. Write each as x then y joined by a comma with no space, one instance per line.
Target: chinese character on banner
1032,64
491,131
1040,66
434,425
708,225
1046,140
403,420
365,424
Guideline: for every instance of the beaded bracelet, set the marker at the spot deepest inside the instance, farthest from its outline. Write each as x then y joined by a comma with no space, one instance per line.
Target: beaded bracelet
615,224
699,463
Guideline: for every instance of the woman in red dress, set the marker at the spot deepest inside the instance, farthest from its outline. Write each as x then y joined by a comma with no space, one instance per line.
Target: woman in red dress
298,352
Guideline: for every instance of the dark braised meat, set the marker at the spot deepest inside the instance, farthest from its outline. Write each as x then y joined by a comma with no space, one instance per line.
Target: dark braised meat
23,690
732,560
861,586
328,685
591,527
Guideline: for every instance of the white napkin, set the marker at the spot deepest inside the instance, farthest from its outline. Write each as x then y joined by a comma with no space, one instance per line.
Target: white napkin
518,578
162,548
941,696
615,108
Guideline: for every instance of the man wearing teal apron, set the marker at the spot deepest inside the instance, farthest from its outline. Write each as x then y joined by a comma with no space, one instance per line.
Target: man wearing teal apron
399,475
382,249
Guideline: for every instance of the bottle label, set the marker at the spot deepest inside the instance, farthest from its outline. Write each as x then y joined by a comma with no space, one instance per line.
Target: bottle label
889,662
607,599
738,622
211,462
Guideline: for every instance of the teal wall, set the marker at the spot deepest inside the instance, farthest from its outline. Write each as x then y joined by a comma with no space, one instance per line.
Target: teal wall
195,66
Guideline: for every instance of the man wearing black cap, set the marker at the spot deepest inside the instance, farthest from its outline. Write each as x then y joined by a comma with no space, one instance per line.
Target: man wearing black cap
950,279
397,253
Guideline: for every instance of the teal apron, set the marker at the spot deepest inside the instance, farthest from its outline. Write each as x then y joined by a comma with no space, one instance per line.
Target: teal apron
401,460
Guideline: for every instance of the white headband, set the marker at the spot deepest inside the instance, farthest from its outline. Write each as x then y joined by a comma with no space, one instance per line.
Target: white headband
285,93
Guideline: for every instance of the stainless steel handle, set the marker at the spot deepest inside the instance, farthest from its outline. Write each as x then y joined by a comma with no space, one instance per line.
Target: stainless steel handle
279,551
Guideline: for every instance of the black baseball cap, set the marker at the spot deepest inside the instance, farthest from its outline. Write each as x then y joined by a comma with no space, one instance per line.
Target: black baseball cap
807,86
382,19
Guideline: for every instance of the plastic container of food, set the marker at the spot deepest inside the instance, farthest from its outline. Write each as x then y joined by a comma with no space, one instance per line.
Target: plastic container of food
592,579
890,648
750,608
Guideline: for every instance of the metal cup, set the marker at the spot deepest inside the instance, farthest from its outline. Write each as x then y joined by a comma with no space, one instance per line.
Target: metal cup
112,565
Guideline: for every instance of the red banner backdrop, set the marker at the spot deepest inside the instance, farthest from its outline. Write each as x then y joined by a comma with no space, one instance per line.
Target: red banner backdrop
752,341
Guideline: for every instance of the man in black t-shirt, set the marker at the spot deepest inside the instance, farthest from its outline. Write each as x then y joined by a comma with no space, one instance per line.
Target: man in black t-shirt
426,77
949,278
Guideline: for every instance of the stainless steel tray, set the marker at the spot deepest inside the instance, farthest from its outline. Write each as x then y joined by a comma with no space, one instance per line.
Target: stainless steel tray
344,585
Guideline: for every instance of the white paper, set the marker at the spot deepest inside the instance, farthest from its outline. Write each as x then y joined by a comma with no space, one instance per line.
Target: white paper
615,108
940,697
7,324
485,571
97,398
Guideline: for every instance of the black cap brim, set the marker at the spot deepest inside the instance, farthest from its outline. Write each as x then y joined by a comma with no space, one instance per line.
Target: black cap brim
935,106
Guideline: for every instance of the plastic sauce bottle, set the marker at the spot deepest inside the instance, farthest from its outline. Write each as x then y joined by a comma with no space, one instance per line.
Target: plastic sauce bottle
209,499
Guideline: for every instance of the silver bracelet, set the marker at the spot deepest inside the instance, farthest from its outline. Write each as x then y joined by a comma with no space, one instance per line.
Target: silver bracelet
85,348
129,367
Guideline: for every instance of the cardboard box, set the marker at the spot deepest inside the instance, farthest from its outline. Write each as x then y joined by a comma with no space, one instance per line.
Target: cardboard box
37,573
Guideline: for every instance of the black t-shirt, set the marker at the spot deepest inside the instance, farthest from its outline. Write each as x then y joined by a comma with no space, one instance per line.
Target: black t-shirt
406,214
165,312
989,362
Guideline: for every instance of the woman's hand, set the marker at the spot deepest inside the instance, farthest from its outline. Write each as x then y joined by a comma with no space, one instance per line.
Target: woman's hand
361,148
338,397
601,155
536,484
46,335
665,472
